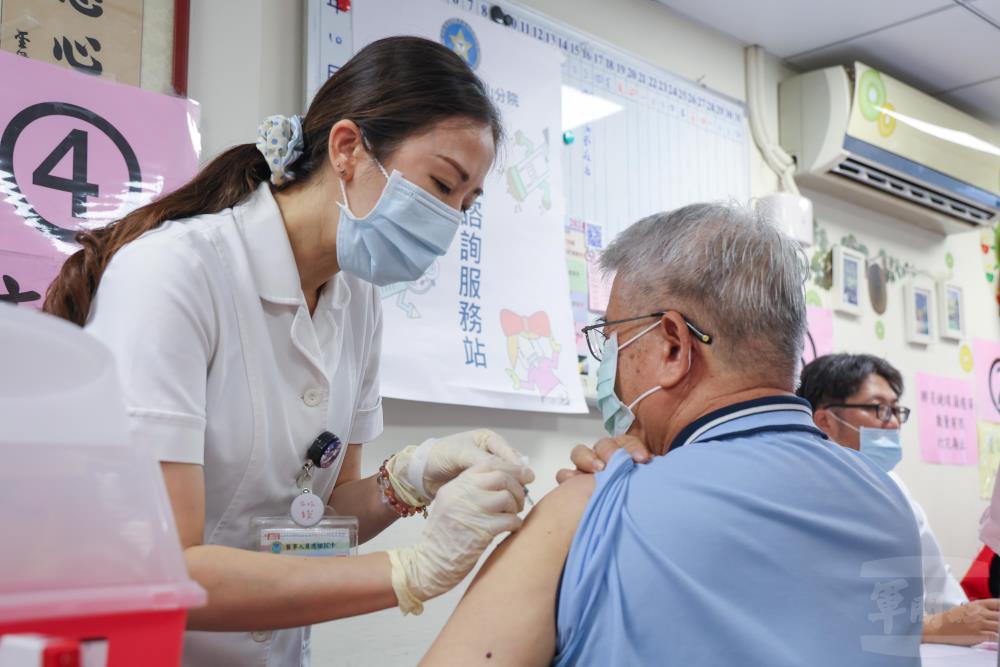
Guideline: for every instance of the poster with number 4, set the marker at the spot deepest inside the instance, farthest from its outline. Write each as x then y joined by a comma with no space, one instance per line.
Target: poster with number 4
78,152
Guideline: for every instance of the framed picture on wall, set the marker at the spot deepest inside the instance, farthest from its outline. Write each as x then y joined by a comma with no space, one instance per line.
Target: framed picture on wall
951,311
848,280
919,313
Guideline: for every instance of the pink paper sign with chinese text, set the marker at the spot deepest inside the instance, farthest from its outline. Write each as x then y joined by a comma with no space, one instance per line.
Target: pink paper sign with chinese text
946,417
78,152
986,354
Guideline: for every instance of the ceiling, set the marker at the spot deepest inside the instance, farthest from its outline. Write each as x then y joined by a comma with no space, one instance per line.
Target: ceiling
949,48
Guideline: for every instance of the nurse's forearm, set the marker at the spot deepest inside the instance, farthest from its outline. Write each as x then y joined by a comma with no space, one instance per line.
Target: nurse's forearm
250,591
362,498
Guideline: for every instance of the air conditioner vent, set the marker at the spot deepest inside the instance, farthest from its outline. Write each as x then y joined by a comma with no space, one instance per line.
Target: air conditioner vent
917,194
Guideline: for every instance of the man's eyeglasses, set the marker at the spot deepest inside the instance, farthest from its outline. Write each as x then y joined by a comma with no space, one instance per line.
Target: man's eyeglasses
883,412
596,335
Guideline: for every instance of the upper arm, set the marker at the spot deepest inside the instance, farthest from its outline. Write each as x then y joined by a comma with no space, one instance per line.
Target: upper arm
154,311
508,615
185,484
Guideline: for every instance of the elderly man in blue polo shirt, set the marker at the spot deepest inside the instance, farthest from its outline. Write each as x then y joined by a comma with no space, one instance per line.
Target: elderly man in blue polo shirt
749,538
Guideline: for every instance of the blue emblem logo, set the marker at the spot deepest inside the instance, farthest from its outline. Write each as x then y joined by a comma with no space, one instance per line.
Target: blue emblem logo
458,36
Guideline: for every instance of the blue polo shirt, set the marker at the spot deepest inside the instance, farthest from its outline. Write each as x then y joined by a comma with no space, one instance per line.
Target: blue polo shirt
754,541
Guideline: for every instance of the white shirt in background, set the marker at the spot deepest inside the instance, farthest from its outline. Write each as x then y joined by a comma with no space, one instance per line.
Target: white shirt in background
941,590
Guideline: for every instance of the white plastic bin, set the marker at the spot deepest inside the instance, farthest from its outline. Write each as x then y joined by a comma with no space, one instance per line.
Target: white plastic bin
88,546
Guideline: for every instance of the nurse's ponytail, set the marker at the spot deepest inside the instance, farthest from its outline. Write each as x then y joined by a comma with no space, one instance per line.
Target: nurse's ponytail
393,89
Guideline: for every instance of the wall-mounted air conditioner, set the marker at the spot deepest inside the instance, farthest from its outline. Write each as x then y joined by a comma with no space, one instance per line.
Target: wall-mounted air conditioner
865,137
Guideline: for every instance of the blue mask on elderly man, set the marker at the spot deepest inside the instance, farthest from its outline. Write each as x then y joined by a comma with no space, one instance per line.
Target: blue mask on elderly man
617,416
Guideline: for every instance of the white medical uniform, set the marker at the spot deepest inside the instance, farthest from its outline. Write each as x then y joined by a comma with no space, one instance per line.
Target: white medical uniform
222,366
941,590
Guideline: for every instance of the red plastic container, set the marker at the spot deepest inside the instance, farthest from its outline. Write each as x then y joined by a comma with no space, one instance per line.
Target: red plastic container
149,639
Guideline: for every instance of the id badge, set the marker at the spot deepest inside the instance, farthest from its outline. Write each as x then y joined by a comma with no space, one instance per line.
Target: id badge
309,530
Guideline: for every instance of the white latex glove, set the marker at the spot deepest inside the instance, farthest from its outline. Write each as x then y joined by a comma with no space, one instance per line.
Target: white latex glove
470,511
417,473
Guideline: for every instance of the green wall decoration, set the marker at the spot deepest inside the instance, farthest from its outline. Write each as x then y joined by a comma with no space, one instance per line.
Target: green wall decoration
821,263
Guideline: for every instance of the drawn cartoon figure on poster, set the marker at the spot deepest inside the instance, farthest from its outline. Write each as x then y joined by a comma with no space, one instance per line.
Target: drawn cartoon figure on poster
533,354
404,291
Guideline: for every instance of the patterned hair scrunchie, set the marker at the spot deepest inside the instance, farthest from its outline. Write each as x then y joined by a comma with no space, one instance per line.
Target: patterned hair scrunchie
279,139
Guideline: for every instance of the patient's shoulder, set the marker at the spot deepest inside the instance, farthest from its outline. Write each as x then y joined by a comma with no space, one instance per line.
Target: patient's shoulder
567,500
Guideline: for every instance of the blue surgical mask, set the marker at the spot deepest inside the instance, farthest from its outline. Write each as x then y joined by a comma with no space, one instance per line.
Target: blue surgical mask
881,445
617,416
402,236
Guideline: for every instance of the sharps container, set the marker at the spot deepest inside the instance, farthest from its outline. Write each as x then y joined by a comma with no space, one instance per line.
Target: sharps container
88,546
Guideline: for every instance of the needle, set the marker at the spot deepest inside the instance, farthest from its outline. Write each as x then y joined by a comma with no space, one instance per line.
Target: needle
527,496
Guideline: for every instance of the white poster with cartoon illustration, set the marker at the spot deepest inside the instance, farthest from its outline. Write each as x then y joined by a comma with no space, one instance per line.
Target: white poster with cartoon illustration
490,323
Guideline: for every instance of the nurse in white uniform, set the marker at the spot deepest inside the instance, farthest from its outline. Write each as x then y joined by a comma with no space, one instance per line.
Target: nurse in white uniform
244,314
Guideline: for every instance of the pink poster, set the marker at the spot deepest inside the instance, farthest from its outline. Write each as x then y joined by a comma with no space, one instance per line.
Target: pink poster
819,335
986,354
23,274
77,152
946,417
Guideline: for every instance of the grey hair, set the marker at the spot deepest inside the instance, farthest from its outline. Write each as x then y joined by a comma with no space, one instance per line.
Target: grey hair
727,268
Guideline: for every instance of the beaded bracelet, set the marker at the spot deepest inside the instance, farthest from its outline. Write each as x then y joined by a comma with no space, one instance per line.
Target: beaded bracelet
389,495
